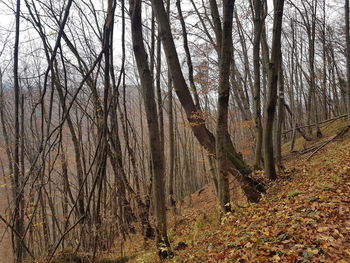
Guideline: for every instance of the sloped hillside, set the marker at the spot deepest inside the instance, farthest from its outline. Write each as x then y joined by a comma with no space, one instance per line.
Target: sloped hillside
304,217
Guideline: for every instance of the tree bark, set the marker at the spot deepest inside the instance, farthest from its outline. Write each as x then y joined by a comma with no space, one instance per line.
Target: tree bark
188,55
157,159
280,117
269,162
258,23
17,187
222,107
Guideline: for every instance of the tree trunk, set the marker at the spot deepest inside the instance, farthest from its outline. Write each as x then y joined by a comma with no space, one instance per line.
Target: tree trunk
188,55
223,99
257,90
171,145
157,161
313,95
347,35
238,167
280,118
17,187
269,162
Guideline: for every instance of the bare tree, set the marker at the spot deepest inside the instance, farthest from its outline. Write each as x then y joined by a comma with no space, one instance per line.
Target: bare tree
238,168
157,159
17,176
222,156
258,27
269,161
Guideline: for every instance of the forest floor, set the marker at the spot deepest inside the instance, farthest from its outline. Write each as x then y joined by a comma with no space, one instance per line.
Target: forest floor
304,216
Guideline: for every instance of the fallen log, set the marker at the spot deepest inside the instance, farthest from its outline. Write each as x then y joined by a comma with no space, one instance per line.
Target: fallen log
321,122
340,134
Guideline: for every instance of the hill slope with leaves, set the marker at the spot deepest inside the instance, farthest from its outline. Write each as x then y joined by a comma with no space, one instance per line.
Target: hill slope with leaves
304,217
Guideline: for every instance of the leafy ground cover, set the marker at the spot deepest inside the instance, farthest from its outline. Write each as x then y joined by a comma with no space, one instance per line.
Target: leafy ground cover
304,217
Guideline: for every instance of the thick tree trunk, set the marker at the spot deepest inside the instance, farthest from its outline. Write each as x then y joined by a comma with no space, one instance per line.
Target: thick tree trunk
257,90
216,22
313,95
222,115
157,160
269,162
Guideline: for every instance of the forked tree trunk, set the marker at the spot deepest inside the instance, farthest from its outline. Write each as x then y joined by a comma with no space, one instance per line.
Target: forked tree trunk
269,162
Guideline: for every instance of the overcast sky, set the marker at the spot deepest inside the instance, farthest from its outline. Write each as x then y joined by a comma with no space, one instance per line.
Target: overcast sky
28,36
